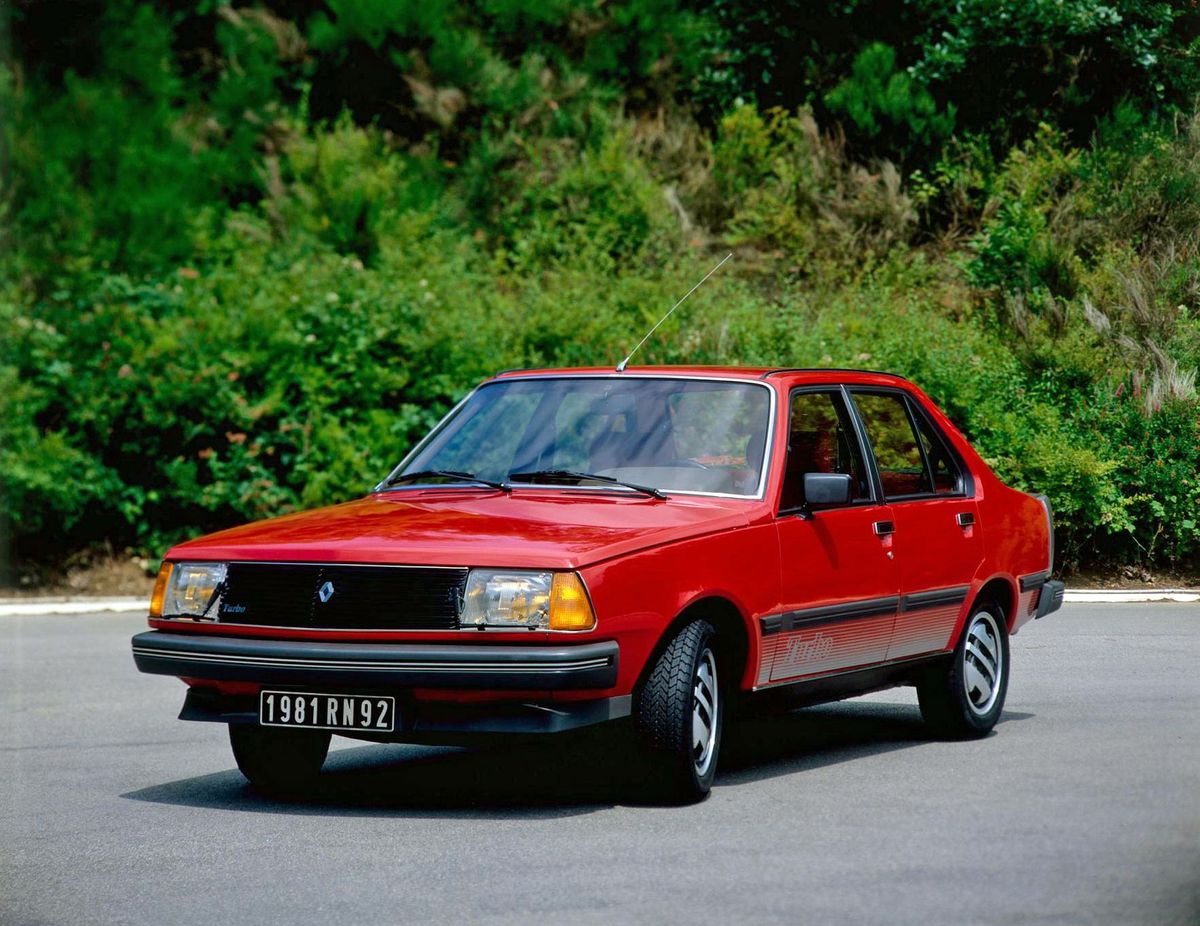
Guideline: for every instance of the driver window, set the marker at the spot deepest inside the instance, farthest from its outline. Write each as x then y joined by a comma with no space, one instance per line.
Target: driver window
821,440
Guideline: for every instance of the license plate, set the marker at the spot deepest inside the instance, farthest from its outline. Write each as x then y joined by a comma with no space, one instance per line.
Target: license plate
309,711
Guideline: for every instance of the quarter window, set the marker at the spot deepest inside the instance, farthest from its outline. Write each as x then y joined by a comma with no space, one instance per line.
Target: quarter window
945,470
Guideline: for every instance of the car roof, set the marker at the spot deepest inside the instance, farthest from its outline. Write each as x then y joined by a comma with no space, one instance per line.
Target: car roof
791,375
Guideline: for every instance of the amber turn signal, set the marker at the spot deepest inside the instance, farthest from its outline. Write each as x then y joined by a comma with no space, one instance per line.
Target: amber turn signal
570,608
160,589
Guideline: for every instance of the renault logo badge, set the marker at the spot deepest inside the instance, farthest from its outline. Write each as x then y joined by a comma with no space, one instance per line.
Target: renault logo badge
325,592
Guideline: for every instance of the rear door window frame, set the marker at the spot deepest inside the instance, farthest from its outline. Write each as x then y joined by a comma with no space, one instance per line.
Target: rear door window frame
964,484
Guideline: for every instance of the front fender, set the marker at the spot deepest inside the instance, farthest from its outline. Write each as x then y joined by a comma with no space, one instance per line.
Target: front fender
638,597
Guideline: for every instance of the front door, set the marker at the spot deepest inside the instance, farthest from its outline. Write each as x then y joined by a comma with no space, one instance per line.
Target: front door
937,545
839,583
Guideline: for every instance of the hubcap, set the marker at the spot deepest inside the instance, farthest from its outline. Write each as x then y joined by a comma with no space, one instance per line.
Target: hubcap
704,712
983,663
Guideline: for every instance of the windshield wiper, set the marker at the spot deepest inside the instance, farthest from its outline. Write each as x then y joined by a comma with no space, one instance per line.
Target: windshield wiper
572,474
447,474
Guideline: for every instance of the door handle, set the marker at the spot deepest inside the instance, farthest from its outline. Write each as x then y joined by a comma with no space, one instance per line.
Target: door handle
882,528
965,518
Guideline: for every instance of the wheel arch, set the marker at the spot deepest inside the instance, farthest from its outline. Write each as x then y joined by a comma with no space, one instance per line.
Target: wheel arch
732,642
1001,590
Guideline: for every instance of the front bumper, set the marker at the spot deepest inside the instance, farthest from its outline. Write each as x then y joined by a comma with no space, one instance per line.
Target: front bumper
378,665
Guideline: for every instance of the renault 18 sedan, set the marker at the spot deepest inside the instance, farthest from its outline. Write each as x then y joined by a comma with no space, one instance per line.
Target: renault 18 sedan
654,547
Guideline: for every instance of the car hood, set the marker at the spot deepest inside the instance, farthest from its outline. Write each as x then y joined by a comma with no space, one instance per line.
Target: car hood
561,529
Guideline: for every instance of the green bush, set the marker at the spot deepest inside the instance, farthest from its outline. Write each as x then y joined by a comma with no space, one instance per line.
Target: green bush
1005,68
99,173
788,187
1158,466
887,107
597,205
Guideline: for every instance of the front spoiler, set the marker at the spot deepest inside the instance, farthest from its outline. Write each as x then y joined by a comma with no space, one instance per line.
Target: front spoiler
488,667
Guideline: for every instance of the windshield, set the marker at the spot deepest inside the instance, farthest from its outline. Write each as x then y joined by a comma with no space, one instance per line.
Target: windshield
670,434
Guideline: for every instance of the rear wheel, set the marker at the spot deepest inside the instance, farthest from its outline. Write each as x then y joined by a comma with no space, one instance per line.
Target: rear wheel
679,716
965,699
278,761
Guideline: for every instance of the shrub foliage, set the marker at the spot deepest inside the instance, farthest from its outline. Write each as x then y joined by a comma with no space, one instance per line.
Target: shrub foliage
251,254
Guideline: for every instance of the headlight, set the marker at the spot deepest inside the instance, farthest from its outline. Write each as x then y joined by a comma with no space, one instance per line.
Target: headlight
533,600
187,590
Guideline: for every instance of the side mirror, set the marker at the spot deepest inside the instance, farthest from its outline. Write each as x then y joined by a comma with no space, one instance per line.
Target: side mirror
821,490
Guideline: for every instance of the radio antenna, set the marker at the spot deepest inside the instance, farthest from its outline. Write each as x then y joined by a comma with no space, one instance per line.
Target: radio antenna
624,363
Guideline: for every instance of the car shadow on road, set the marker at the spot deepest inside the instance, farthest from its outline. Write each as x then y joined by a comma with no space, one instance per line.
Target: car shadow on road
766,747
574,776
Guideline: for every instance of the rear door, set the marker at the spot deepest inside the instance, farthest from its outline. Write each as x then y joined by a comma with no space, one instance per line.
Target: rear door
929,492
839,581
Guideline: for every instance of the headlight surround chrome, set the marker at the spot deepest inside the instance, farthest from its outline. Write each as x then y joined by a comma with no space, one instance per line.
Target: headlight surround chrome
526,599
191,591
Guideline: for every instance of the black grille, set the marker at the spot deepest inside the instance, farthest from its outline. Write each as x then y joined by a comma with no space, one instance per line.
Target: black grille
342,597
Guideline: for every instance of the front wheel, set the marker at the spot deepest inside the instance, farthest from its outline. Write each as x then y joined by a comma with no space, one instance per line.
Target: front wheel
965,699
679,715
275,761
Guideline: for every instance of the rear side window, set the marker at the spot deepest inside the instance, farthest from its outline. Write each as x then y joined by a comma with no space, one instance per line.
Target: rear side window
912,459
821,439
897,453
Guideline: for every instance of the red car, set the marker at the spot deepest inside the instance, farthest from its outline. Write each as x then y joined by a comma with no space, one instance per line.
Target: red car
572,547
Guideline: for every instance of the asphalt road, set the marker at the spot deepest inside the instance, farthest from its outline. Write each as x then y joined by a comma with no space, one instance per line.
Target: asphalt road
1082,807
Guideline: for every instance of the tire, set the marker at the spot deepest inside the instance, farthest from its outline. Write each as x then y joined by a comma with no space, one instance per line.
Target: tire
679,715
278,762
965,700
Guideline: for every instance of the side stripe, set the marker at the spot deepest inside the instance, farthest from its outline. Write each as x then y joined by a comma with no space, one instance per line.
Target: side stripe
868,607
868,630
830,614
935,598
